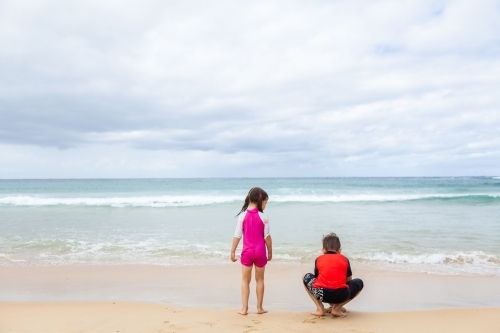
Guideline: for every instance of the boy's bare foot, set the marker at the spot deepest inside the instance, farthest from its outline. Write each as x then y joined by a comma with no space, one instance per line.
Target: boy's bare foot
336,312
339,314
243,312
318,312
329,309
261,311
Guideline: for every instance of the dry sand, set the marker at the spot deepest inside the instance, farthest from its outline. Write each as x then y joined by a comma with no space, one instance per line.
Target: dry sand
139,317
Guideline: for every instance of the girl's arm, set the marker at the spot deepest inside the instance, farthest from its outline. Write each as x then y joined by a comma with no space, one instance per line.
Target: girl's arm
238,233
236,241
267,236
269,245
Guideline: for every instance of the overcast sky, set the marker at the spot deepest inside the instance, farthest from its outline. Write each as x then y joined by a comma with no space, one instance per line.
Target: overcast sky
249,88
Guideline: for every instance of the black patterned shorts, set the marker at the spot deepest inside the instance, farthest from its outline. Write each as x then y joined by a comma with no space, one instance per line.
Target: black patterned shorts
309,280
333,296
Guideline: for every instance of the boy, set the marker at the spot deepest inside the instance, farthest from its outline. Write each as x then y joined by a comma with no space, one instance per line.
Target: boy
332,280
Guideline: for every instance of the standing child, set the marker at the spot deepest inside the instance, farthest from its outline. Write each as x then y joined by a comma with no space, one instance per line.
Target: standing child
253,226
332,280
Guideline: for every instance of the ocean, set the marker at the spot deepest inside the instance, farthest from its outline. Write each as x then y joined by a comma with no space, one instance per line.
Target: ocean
444,226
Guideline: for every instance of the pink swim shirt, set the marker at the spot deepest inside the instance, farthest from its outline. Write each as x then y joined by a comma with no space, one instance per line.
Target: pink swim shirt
254,227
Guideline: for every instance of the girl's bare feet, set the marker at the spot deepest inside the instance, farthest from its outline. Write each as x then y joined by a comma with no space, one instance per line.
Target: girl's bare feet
243,312
261,311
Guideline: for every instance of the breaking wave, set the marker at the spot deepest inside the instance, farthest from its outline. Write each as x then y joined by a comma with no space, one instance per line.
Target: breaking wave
199,200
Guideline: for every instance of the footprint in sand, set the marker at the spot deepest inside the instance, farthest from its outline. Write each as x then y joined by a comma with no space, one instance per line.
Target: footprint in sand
207,323
256,321
250,330
310,321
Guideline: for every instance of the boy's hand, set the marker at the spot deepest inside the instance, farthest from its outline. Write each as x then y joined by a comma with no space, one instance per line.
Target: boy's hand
233,256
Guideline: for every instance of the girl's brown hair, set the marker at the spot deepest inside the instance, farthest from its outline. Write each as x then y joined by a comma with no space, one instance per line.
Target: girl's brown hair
255,195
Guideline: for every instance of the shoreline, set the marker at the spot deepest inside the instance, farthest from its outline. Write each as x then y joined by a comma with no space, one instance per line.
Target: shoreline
63,317
218,287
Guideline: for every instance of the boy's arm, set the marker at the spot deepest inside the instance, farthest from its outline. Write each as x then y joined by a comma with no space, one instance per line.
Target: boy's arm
269,245
236,241
349,271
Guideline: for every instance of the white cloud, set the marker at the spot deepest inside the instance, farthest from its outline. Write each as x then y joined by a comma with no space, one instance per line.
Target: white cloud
198,88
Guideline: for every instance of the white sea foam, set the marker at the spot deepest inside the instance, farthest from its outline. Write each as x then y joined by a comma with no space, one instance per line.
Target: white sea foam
473,257
198,200
376,197
472,262
145,201
180,252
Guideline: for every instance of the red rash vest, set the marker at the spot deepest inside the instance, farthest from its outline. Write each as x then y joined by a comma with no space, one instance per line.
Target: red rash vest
331,270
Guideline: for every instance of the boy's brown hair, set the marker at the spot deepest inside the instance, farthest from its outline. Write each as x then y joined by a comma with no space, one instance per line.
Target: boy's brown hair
331,242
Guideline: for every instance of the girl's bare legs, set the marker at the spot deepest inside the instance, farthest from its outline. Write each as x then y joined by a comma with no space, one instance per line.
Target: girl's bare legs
259,279
320,308
246,277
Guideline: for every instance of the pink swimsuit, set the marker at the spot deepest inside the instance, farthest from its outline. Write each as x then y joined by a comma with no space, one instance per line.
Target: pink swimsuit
254,227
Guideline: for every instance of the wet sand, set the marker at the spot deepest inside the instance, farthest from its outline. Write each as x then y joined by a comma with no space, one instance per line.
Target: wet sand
218,287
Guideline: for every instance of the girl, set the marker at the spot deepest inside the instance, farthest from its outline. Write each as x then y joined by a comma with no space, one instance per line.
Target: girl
254,227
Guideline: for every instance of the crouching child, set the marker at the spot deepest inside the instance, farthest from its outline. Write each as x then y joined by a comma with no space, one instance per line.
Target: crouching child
332,280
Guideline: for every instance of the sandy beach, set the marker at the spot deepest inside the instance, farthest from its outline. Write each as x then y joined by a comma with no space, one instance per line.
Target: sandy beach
139,317
201,299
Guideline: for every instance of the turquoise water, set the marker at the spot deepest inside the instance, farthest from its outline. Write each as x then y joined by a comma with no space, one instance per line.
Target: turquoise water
435,225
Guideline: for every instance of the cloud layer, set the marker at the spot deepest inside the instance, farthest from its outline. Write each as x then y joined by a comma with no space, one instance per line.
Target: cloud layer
274,88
